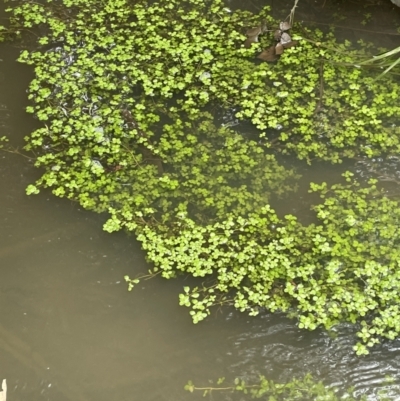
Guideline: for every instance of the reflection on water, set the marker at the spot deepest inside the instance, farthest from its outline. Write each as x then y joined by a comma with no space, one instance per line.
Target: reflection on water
69,330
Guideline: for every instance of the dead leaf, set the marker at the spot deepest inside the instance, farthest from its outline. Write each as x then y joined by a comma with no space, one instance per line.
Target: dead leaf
268,54
285,38
250,40
284,26
277,34
254,31
290,44
279,48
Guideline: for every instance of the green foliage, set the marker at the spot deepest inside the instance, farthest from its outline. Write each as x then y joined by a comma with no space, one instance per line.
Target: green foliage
114,55
127,101
306,388
3,140
328,111
336,270
388,60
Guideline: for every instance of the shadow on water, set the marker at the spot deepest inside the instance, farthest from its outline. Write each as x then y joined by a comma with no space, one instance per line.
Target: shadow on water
69,330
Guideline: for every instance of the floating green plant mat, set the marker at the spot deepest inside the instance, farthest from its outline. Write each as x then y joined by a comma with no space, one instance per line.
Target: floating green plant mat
127,91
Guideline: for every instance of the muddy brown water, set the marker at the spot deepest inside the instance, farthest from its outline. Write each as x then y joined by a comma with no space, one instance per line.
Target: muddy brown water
69,330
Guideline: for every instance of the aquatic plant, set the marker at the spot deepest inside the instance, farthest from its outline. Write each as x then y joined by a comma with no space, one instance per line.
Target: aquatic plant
386,60
306,388
107,50
342,268
128,93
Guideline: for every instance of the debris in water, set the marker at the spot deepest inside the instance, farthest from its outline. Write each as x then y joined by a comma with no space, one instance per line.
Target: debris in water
284,26
253,33
277,34
285,38
272,53
268,54
3,394
279,48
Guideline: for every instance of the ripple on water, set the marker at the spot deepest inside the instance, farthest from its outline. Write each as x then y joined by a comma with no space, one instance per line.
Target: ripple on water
272,345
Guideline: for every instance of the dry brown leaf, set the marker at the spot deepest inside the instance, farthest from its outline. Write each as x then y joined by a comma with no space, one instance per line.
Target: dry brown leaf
277,34
279,48
268,54
285,38
250,40
254,31
290,44
284,26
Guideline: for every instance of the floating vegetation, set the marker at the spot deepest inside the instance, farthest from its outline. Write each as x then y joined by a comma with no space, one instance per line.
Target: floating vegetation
126,92
306,388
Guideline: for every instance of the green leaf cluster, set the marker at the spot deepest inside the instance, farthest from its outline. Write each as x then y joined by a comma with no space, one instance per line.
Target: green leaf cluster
129,93
306,388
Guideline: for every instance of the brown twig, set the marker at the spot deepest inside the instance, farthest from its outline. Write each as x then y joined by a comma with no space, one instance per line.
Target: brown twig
291,15
321,88
16,152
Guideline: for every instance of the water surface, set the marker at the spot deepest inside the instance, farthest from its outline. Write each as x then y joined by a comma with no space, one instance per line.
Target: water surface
69,330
